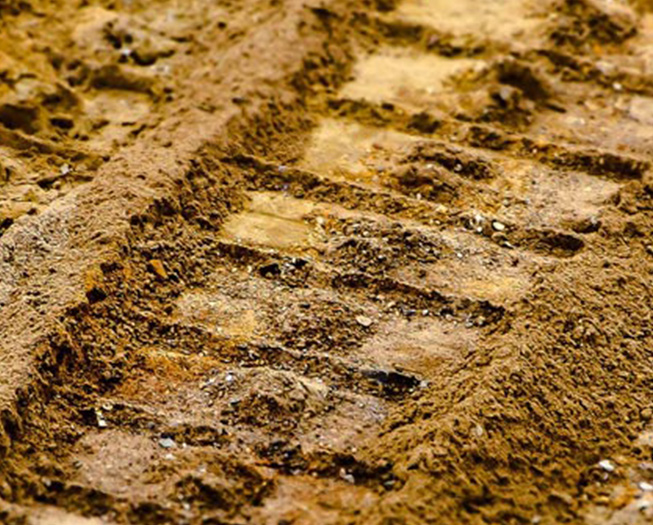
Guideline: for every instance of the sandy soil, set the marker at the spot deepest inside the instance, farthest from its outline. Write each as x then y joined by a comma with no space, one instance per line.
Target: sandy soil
342,261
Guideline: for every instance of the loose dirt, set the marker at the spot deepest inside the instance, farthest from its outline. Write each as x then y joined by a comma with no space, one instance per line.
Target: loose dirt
326,262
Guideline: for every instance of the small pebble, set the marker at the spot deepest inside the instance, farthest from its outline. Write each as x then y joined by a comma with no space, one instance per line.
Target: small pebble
167,443
607,465
101,422
647,487
346,476
157,267
364,321
498,226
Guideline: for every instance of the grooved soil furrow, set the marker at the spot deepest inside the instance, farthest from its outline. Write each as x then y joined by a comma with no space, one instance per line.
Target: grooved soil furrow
336,262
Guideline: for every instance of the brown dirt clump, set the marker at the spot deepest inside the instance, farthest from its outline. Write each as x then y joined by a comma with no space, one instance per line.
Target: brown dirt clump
326,262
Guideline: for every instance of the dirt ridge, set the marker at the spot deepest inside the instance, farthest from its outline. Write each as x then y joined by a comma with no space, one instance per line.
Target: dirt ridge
143,199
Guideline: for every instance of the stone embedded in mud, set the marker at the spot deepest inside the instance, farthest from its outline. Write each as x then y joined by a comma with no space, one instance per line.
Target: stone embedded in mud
346,476
156,266
498,226
364,321
101,422
607,465
167,443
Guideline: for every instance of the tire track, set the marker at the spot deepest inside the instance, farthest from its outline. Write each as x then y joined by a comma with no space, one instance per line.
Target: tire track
265,366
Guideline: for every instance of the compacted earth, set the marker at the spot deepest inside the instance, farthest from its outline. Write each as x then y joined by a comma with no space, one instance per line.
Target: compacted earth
326,261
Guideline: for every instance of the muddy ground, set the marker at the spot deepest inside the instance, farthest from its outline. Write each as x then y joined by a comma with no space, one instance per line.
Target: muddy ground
335,261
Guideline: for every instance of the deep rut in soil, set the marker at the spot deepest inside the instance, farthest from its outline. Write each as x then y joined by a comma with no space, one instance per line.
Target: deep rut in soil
437,311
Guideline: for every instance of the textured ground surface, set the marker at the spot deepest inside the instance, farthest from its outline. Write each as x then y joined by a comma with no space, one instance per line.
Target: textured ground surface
290,262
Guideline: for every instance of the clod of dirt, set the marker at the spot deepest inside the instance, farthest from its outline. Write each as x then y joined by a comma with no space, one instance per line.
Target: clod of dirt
456,160
588,21
425,180
524,77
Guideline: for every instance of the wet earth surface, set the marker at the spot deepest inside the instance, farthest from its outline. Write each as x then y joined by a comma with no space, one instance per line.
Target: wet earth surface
326,262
